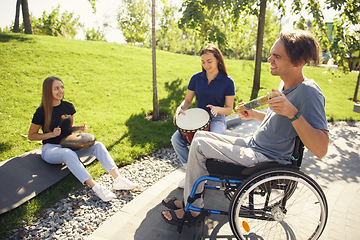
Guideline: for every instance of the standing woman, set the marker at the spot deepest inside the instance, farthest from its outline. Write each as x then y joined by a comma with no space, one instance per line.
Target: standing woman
214,91
48,117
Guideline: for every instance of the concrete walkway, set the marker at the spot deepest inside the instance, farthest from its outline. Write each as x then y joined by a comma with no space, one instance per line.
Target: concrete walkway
338,174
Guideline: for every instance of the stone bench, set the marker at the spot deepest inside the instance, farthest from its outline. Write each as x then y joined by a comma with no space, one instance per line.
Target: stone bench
357,108
25,176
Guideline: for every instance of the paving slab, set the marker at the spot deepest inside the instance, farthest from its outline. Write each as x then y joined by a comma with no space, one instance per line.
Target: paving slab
338,174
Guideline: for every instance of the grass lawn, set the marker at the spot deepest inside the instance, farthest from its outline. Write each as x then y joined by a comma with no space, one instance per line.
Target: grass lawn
111,87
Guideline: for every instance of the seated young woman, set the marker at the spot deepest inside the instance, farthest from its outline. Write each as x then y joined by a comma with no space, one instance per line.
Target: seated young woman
48,117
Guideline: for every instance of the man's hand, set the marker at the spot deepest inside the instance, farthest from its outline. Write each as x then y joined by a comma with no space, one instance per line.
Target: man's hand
246,115
282,106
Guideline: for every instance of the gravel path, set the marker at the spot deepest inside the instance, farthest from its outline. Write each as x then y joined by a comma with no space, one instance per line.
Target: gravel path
82,212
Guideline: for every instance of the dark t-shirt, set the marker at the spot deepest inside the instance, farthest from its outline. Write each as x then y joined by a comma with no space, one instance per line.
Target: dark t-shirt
213,93
65,108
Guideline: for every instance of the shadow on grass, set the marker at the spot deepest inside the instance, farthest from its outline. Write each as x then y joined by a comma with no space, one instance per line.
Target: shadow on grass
7,37
4,146
142,132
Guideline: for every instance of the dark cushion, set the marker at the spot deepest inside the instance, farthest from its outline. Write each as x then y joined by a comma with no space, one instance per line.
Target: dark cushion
221,169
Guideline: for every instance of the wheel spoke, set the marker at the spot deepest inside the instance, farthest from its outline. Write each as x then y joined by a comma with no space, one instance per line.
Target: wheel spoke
293,207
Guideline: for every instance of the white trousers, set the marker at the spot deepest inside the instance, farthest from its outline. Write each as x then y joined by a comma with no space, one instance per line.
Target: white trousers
206,145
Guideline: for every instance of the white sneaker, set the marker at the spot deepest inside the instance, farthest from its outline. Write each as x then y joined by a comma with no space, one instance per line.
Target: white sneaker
104,194
181,184
124,184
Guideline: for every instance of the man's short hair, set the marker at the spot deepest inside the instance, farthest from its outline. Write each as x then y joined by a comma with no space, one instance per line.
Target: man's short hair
301,46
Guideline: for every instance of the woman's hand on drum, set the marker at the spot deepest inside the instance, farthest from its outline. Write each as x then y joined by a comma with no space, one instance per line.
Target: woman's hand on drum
178,111
214,110
57,131
83,128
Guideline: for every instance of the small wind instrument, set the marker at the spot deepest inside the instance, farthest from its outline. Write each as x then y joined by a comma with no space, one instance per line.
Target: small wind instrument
257,102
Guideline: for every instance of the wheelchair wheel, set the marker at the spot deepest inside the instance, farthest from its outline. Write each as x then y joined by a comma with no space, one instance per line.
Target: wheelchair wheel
278,204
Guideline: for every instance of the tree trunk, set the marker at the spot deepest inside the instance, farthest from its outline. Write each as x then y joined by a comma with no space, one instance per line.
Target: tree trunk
259,44
153,45
195,53
17,16
26,17
356,88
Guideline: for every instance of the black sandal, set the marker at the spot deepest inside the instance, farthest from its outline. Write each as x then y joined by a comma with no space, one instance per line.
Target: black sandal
171,204
190,219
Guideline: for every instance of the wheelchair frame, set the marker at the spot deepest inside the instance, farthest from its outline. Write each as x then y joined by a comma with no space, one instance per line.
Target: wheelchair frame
254,212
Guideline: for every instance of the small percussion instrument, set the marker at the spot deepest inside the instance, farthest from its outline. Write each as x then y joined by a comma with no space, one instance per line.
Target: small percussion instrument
78,141
256,102
193,120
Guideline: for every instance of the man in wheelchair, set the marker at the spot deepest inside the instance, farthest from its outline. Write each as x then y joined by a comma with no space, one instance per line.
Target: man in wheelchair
299,111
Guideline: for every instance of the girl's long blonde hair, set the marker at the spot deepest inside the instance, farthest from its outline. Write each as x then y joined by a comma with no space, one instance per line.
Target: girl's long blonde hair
47,100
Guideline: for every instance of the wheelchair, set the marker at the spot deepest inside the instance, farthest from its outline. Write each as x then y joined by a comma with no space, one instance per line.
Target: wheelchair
268,200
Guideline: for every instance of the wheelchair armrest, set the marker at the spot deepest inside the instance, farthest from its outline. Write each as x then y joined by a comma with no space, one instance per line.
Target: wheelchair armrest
262,166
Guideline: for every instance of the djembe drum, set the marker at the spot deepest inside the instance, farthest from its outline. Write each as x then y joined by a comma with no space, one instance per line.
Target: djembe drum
193,120
78,141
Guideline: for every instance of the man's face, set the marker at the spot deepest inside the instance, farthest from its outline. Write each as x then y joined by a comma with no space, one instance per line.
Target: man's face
280,63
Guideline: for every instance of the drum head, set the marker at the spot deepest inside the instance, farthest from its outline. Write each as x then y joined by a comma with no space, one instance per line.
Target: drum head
78,141
194,118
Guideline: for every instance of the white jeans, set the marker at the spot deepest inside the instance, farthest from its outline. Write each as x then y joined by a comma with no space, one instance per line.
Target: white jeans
206,145
55,154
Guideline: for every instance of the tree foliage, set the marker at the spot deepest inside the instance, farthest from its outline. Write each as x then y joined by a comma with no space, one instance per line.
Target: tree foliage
134,20
168,35
95,35
56,24
207,18
93,3
345,34
241,38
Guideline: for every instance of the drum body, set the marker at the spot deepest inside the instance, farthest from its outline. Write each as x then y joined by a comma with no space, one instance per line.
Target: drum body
195,119
78,141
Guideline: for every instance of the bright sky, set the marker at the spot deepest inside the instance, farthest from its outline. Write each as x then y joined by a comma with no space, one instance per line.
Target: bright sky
106,11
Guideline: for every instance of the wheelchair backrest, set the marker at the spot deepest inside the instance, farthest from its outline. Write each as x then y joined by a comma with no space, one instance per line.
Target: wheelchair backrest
298,152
